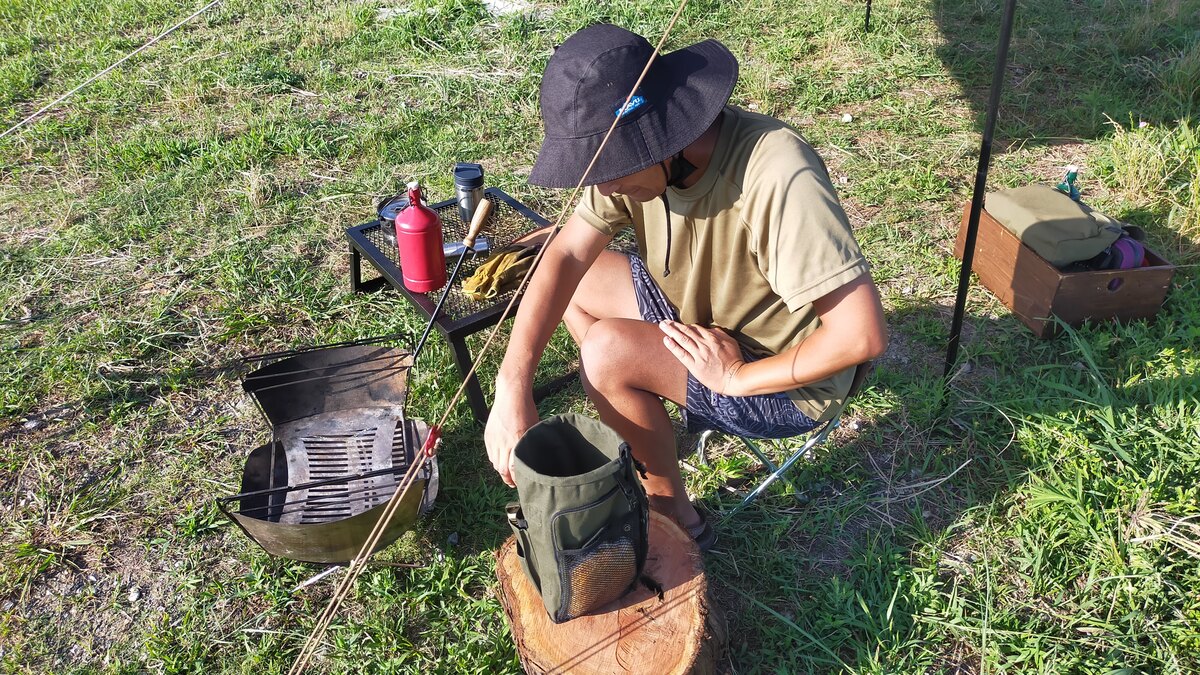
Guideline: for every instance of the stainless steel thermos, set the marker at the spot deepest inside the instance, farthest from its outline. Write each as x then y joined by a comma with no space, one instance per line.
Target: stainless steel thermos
468,188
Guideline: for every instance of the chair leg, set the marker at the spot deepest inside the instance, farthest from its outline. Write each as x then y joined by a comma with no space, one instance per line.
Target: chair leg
775,471
867,20
702,446
816,439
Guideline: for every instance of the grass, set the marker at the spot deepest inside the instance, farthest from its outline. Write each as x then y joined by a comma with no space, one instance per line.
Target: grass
188,210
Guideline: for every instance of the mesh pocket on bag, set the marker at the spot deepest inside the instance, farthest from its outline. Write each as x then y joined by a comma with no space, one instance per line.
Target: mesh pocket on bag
596,575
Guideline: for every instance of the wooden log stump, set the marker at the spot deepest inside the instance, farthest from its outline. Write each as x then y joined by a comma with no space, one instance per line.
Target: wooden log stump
639,633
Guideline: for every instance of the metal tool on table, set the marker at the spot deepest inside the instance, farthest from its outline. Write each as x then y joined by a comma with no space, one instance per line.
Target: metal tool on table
468,246
454,249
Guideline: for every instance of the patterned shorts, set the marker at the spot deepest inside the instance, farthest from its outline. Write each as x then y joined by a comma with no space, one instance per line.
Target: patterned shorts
763,416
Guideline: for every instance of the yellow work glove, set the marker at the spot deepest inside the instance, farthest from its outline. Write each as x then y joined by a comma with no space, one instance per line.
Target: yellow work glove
502,272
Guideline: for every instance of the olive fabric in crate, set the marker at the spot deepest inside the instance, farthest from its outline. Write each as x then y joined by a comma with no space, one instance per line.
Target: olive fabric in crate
581,522
1058,228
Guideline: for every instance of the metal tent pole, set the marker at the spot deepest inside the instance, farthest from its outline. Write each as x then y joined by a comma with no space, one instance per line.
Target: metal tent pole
985,159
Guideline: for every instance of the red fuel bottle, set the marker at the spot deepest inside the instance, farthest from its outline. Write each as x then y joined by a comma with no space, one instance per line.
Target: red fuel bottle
419,240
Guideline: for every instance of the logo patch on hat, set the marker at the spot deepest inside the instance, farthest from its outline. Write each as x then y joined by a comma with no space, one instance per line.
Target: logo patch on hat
635,102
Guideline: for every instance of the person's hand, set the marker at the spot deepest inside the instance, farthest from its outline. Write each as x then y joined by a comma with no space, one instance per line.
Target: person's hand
709,354
511,415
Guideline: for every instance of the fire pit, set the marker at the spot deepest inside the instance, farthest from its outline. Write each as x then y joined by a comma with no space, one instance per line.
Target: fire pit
340,444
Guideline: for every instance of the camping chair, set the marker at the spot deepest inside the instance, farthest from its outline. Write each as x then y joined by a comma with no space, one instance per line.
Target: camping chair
815,438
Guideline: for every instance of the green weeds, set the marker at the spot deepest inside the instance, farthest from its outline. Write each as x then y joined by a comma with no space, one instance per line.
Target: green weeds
188,210
1156,170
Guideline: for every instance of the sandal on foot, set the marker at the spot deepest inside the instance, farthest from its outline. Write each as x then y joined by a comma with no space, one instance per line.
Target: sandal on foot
703,534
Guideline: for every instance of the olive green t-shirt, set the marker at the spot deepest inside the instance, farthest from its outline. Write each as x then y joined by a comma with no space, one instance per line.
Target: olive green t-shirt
752,244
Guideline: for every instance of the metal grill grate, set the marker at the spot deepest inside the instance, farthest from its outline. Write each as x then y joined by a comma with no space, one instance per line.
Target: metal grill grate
334,456
330,456
330,450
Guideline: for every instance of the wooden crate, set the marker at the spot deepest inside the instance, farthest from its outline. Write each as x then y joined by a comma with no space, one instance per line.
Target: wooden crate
1035,290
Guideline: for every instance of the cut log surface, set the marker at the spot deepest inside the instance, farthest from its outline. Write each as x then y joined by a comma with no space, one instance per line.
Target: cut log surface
639,633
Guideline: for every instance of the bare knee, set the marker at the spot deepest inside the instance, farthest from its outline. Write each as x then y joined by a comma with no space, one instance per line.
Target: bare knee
602,354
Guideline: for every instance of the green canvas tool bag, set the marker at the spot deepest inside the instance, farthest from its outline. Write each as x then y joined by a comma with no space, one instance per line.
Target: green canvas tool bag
581,522
1058,228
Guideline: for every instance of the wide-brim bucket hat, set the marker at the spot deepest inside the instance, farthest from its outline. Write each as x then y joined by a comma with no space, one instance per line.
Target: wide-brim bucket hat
586,83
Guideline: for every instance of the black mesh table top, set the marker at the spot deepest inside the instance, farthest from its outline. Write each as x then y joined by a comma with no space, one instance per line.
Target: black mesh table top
460,316
509,221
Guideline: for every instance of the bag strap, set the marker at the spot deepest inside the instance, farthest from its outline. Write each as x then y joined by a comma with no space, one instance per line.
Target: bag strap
624,477
516,517
627,457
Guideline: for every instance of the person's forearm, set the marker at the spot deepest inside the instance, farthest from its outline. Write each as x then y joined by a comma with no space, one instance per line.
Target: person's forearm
852,331
541,309
820,356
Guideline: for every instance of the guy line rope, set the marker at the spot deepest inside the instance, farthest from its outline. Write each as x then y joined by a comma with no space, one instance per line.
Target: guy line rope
429,448
109,69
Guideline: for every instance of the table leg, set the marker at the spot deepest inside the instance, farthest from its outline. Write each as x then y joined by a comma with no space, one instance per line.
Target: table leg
357,285
462,357
554,386
355,270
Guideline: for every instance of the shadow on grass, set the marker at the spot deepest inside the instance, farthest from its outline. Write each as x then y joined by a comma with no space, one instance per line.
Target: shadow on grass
853,564
815,579
126,391
1075,68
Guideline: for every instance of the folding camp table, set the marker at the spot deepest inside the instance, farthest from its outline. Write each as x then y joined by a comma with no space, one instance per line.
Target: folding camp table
461,316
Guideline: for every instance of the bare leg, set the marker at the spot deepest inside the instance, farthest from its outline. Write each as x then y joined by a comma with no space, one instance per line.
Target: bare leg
605,292
627,371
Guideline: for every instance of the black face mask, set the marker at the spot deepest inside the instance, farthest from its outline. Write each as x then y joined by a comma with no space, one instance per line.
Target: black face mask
678,169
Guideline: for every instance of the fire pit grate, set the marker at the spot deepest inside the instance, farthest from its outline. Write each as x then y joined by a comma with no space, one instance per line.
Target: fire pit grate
340,447
341,468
